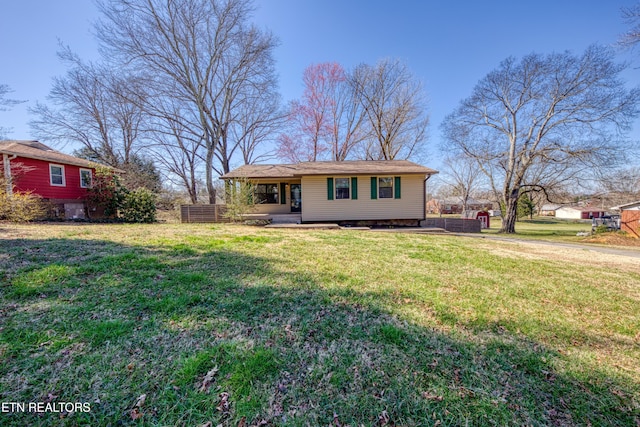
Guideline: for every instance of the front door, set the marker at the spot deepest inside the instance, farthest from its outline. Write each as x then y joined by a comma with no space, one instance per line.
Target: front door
296,198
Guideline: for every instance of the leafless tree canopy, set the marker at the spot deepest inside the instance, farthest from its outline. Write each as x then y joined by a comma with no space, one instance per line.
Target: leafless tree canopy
631,16
371,112
6,104
393,102
91,106
462,176
561,114
205,56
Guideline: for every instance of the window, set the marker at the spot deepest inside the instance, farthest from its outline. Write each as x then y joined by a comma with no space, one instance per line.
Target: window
85,178
342,188
56,174
266,193
385,187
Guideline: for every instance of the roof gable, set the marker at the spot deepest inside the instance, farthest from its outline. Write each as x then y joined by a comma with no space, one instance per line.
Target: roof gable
39,151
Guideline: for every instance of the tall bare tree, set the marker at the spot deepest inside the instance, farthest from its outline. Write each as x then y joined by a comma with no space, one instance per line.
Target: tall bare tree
462,175
90,105
559,109
631,16
310,118
6,104
203,53
394,105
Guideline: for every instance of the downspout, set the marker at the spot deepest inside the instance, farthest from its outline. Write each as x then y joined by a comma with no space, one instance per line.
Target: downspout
7,172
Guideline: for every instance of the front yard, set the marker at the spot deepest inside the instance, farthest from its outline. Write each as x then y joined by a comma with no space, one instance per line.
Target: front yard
180,324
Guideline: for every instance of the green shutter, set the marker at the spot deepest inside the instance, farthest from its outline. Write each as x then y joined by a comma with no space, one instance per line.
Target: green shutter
329,188
396,187
374,188
354,188
283,193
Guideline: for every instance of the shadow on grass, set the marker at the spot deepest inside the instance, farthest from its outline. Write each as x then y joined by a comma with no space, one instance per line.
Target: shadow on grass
209,333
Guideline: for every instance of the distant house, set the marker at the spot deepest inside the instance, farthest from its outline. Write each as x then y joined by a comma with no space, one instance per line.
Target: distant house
455,205
578,212
60,179
349,191
630,218
549,209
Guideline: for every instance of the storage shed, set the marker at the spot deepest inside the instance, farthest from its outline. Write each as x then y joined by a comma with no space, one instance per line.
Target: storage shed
630,218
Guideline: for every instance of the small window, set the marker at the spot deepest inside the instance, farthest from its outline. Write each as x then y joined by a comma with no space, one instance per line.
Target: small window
56,173
266,194
342,188
385,187
85,178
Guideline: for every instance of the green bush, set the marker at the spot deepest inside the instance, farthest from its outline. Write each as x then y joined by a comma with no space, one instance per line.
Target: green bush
139,205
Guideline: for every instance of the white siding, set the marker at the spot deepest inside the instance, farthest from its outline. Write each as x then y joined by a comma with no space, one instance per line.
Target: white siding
316,207
568,213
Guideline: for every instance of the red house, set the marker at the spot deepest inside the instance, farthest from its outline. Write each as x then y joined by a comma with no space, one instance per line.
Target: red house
60,179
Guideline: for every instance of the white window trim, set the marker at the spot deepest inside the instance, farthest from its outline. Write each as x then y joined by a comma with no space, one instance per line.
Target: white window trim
392,188
90,175
64,181
335,187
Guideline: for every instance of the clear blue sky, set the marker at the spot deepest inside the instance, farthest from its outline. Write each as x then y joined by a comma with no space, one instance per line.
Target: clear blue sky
449,45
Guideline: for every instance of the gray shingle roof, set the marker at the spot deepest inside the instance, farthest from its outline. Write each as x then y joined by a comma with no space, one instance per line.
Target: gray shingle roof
352,167
39,151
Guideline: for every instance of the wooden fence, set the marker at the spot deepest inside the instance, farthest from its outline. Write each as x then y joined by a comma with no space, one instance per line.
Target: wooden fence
202,213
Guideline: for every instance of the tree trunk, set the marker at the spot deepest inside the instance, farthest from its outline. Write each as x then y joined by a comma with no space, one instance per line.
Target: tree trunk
511,214
209,178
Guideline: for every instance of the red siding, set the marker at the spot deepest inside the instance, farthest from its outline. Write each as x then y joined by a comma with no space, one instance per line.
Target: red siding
38,180
592,214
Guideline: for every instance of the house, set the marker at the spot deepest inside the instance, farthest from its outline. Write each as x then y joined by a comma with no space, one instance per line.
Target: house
390,191
630,218
455,205
549,209
578,212
60,179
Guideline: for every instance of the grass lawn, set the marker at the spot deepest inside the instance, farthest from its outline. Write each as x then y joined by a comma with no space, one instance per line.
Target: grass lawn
206,325
546,228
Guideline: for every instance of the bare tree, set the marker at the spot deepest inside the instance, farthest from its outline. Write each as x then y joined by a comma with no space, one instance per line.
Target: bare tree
462,175
177,155
349,127
622,185
200,52
559,109
631,16
258,120
91,105
310,127
6,104
393,102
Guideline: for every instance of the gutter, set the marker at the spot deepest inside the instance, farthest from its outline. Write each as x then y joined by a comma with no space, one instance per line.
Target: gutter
424,196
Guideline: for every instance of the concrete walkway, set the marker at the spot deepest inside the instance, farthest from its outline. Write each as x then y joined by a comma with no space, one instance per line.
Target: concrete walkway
304,226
